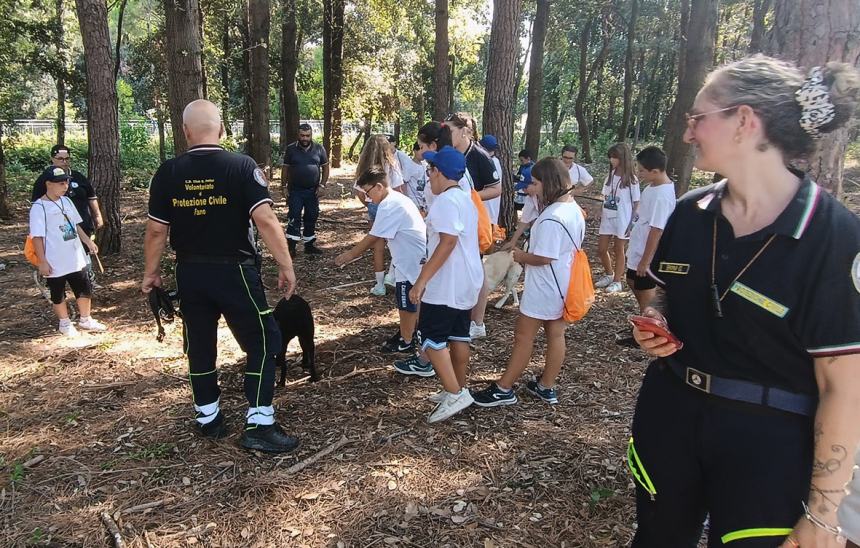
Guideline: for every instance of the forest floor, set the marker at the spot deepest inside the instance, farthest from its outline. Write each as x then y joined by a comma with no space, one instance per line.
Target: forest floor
102,424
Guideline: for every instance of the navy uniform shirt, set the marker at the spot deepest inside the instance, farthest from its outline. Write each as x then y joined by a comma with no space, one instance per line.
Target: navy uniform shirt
207,196
481,168
80,192
798,301
305,164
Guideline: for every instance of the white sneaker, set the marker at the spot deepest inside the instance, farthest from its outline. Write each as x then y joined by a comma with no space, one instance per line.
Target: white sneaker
378,290
614,287
389,280
92,325
477,331
68,330
604,281
437,397
451,405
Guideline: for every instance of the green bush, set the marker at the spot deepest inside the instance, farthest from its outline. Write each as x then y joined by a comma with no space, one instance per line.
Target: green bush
33,152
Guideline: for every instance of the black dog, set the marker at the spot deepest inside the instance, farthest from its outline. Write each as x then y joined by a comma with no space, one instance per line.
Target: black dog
295,319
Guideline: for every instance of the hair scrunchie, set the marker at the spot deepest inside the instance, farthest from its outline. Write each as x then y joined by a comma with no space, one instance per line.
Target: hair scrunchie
816,109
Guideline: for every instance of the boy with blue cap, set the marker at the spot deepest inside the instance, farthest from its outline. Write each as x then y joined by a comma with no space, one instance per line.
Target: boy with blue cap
448,285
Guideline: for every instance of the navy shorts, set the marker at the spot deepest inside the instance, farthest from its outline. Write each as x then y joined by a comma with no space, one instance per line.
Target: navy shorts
438,324
401,297
640,283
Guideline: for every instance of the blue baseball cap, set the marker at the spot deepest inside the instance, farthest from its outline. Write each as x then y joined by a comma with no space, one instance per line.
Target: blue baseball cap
489,142
449,161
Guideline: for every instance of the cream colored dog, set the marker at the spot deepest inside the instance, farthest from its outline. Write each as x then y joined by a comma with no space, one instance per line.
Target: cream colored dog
500,267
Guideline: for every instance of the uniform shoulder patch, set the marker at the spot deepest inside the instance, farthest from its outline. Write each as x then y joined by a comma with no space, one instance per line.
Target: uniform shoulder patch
260,177
855,272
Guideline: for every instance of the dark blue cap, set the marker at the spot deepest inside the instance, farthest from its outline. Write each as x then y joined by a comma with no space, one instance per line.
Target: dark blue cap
449,161
55,174
489,142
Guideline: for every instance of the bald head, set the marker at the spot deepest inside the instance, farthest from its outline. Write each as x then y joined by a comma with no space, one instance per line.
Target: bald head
201,121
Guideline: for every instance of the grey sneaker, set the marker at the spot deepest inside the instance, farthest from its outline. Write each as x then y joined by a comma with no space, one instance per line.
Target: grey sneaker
413,366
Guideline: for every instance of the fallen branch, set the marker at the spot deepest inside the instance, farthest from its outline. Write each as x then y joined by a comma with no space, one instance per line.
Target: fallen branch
143,507
194,531
299,466
34,461
112,528
353,373
344,286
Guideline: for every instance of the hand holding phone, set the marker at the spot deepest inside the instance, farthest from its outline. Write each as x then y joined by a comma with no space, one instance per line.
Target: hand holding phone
657,327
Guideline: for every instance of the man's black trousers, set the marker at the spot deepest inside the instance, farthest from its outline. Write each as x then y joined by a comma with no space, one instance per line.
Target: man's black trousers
694,455
207,291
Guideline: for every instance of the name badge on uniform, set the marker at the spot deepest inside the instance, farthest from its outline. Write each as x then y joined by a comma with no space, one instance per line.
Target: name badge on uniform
674,268
753,296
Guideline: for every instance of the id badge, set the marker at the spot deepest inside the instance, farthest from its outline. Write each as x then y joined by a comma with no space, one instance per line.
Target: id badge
610,203
68,231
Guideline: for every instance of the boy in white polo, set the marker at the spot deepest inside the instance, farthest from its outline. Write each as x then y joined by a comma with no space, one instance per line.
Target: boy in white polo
656,204
400,223
448,285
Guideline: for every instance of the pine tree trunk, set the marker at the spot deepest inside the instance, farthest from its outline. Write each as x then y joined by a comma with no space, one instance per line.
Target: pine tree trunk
628,71
225,76
499,100
289,65
534,101
586,77
102,118
326,62
812,33
59,41
336,81
695,63
441,81
5,211
184,62
259,146
760,10
200,32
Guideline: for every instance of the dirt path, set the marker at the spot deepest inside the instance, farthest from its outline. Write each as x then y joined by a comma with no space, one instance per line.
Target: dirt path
103,425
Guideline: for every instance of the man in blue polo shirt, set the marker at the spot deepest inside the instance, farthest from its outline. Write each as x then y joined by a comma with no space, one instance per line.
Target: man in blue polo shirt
303,177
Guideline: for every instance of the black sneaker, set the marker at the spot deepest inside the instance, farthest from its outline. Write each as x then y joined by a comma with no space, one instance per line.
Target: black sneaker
311,249
546,394
216,429
291,244
398,345
269,439
493,396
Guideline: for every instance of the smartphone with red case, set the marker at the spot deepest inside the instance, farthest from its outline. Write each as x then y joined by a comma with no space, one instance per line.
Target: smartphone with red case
653,325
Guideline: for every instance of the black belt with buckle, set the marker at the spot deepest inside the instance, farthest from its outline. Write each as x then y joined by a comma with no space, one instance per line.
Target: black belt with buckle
244,260
745,391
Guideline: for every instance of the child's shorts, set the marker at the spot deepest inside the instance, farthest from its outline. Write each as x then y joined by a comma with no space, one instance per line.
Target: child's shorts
401,297
78,281
438,324
640,283
371,211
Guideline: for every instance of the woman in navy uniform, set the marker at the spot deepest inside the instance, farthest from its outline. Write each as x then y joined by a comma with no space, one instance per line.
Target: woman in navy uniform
753,421
206,200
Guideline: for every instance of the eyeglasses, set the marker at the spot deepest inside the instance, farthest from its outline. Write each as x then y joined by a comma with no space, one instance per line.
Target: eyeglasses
63,158
693,119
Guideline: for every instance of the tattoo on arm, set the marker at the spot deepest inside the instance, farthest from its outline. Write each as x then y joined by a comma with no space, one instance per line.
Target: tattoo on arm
824,466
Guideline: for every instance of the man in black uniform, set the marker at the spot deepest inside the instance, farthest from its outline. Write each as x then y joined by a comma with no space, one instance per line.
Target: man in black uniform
80,192
205,200
303,176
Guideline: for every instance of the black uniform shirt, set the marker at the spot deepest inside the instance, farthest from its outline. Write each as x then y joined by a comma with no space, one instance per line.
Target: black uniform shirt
305,164
481,168
80,192
798,301
207,196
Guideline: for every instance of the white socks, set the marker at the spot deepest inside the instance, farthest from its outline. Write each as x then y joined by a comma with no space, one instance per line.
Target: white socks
263,416
206,413
65,322
380,279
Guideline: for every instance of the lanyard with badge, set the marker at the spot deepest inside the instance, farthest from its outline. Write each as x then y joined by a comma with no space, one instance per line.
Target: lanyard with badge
68,230
611,201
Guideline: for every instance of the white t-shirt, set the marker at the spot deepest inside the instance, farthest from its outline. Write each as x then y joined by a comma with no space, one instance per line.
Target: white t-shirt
399,222
530,209
415,178
457,283
849,510
495,204
57,222
395,177
546,285
579,175
655,206
615,222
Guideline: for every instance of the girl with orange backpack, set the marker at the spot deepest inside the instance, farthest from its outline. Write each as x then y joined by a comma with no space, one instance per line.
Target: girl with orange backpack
556,235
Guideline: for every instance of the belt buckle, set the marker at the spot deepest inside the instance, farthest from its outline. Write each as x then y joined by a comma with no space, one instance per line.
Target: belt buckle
698,380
